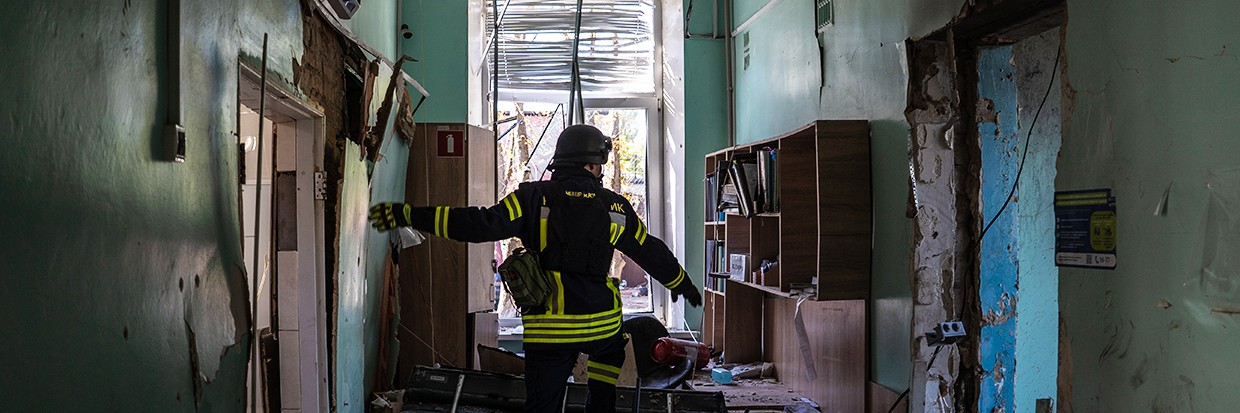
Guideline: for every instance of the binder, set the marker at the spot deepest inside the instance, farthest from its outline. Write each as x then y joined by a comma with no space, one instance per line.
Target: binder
743,173
768,179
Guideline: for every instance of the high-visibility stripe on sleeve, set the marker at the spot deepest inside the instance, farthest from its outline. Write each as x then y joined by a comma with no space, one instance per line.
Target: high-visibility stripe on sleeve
679,279
439,212
516,204
514,207
640,234
512,215
441,221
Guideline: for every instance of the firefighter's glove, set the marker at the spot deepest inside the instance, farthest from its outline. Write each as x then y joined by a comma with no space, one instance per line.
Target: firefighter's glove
689,291
389,215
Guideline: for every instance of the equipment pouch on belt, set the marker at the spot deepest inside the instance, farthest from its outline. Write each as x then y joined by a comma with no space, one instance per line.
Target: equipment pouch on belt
525,280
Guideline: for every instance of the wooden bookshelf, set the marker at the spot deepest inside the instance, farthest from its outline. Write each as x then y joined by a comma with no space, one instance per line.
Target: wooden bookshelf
820,236
822,229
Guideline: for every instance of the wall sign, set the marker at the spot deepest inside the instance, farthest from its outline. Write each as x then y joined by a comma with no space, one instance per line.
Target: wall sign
451,143
1085,229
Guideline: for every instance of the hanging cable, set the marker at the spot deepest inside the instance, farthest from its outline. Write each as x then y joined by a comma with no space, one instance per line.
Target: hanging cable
576,109
544,133
1019,171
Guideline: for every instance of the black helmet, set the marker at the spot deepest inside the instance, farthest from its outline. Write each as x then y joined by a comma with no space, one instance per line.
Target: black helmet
581,145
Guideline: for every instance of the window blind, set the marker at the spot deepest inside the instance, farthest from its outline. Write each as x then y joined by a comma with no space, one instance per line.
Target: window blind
616,52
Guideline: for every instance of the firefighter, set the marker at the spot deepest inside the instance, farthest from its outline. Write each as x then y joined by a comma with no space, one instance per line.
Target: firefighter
574,225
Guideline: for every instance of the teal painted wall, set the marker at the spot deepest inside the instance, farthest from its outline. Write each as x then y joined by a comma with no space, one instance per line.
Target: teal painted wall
375,23
1037,326
353,349
440,43
706,131
123,273
777,71
360,282
387,184
855,69
1155,87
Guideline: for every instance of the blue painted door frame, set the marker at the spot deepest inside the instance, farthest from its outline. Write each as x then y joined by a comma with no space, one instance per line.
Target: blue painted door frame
997,291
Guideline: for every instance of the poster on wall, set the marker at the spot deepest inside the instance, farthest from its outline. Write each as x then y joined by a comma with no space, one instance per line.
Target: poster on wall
1085,229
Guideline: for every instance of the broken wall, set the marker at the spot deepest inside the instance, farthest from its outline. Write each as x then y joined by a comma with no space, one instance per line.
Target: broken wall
124,273
855,69
1151,103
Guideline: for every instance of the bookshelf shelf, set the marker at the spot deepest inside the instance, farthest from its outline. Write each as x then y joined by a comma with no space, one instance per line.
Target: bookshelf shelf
809,220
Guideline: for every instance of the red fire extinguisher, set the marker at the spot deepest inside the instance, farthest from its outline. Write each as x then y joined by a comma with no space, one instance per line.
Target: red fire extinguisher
668,351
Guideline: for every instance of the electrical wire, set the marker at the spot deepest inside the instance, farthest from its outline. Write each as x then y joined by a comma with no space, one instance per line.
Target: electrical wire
928,366
1019,171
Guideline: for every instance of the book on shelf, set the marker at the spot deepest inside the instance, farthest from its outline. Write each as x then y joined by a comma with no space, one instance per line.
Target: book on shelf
712,197
768,179
743,175
727,199
738,266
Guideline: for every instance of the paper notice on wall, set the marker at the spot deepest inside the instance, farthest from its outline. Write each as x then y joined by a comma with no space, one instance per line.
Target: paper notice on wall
1085,229
1220,266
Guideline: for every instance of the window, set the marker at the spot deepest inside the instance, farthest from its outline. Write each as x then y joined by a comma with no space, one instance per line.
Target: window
616,51
620,70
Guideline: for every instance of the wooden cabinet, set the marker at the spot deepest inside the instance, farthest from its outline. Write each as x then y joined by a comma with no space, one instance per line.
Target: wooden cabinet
820,238
822,229
443,281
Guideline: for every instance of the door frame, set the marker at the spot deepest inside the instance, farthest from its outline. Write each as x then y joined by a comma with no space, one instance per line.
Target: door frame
301,322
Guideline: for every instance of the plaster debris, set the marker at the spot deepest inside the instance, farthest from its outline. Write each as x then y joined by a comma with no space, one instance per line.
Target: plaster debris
1163,304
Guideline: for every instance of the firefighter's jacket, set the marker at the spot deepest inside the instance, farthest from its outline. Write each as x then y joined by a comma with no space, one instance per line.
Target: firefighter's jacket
586,305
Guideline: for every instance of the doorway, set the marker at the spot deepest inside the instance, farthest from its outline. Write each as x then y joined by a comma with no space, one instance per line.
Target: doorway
280,173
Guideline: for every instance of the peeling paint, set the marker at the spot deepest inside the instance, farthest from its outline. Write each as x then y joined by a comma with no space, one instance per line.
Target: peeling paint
937,243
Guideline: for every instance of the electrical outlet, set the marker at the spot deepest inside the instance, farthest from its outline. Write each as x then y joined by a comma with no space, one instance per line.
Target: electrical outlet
946,333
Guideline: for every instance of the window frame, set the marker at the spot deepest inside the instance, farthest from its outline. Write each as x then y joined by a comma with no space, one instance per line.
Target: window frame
657,196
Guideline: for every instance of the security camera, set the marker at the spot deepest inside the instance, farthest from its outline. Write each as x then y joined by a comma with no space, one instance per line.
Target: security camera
404,31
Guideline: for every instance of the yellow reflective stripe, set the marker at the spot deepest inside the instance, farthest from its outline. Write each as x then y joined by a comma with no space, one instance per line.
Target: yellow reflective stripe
559,293
408,213
615,235
572,332
604,367
516,204
444,232
640,235
564,322
615,292
601,378
676,282
512,215
569,317
542,338
438,216
542,226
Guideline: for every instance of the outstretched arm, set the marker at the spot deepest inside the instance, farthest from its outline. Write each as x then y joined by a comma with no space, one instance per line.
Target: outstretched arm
469,224
652,255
